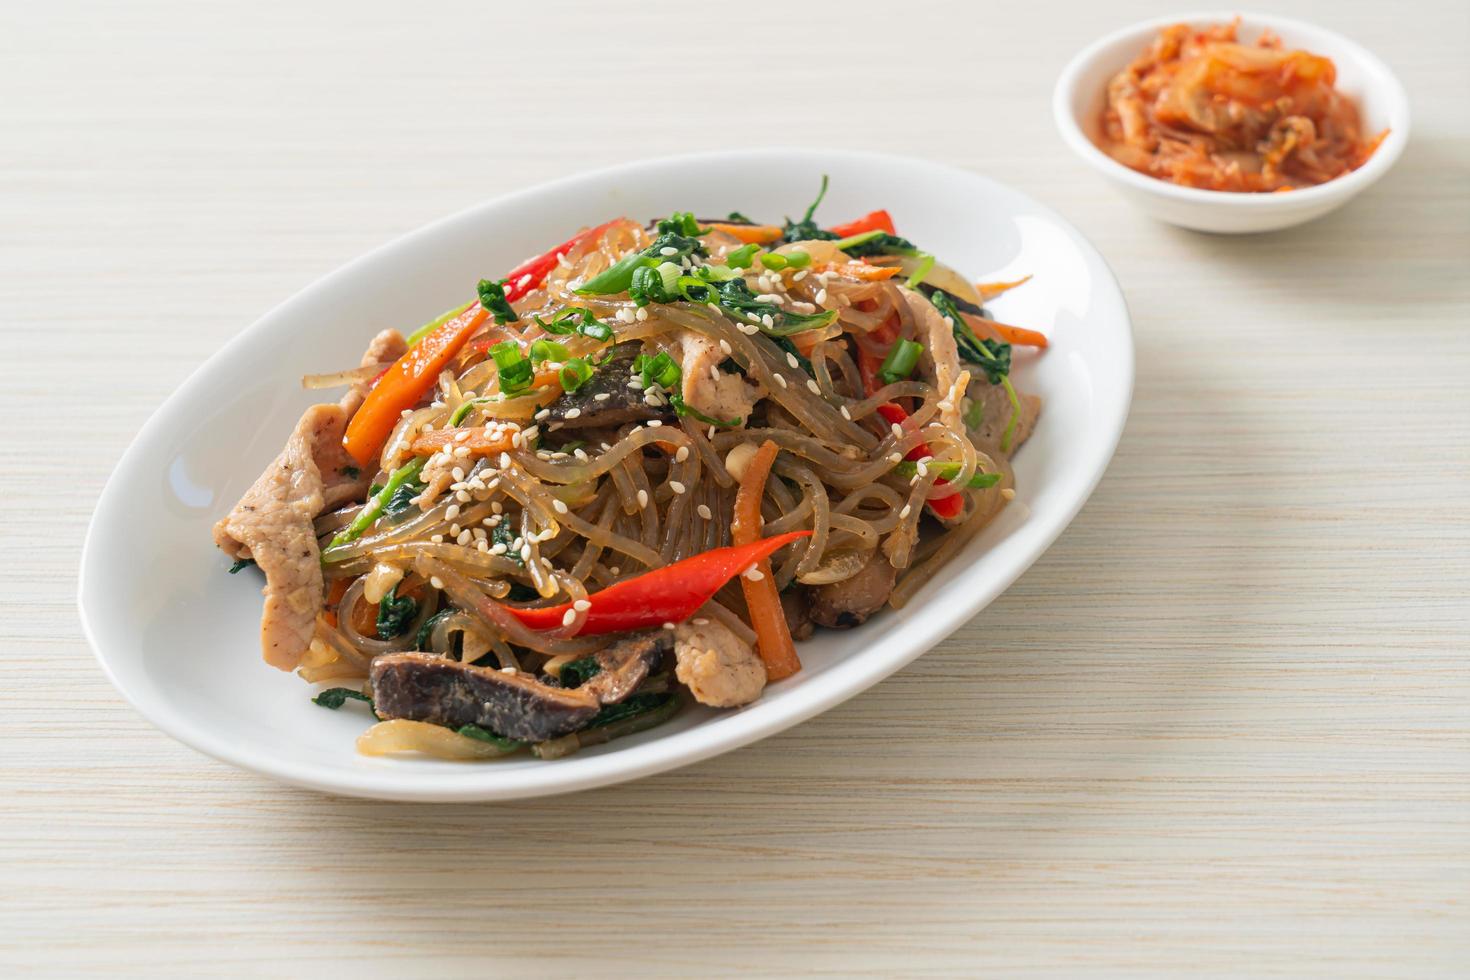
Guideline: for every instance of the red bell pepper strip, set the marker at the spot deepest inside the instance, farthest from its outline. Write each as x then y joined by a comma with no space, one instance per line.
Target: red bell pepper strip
403,385
665,595
874,221
533,272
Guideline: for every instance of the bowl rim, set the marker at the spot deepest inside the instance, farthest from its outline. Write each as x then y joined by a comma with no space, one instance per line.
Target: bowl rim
1338,188
663,754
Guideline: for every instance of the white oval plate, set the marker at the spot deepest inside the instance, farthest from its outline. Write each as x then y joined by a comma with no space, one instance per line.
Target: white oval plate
180,638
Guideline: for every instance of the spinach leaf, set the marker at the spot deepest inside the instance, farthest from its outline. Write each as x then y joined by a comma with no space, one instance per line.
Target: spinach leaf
680,223
736,300
485,735
737,218
579,672
395,614
402,498
421,638
790,348
633,704
241,563
806,229
335,697
492,297
502,534
993,356
879,243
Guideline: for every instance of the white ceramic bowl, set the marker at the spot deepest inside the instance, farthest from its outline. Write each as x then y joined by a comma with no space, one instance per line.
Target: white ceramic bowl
180,638
1080,94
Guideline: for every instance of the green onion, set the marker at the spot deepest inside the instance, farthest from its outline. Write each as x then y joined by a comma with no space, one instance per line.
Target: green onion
948,471
902,358
374,508
548,350
516,373
926,265
576,320
681,223
464,409
1005,439
742,257
860,238
574,374
492,297
437,322
682,409
975,414
615,278
658,370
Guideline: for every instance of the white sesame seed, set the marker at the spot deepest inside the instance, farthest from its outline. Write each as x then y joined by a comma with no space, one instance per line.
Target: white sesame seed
749,329
846,414
462,452
642,314
780,380
922,468
464,537
526,551
573,413
642,498
895,457
907,510
454,530
897,430
542,414
725,346
667,626
602,396
816,389
532,433
436,582
704,511
821,296
560,506
799,276
768,320
452,512
668,250
498,548
569,618
482,545
1008,493
753,574
505,461
581,605
676,486
654,423
791,359
437,538
457,473
462,496
946,405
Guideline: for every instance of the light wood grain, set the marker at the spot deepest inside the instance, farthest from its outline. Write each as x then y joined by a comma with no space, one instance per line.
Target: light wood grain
1222,727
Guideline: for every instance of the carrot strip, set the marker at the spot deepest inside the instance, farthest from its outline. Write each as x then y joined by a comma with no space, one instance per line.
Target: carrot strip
990,290
1018,336
773,636
404,384
860,270
480,440
750,234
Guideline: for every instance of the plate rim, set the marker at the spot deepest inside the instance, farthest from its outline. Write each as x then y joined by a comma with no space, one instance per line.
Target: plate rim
660,755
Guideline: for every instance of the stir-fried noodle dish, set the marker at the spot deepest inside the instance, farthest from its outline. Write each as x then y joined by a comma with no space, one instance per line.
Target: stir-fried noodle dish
632,473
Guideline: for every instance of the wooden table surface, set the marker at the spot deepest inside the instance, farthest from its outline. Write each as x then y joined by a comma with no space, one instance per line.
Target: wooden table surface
1222,727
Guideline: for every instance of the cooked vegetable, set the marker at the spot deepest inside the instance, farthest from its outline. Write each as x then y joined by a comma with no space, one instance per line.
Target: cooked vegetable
979,481
335,697
395,614
617,277
577,320
756,234
492,298
773,636
375,506
872,221
405,383
902,358
665,595
241,563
